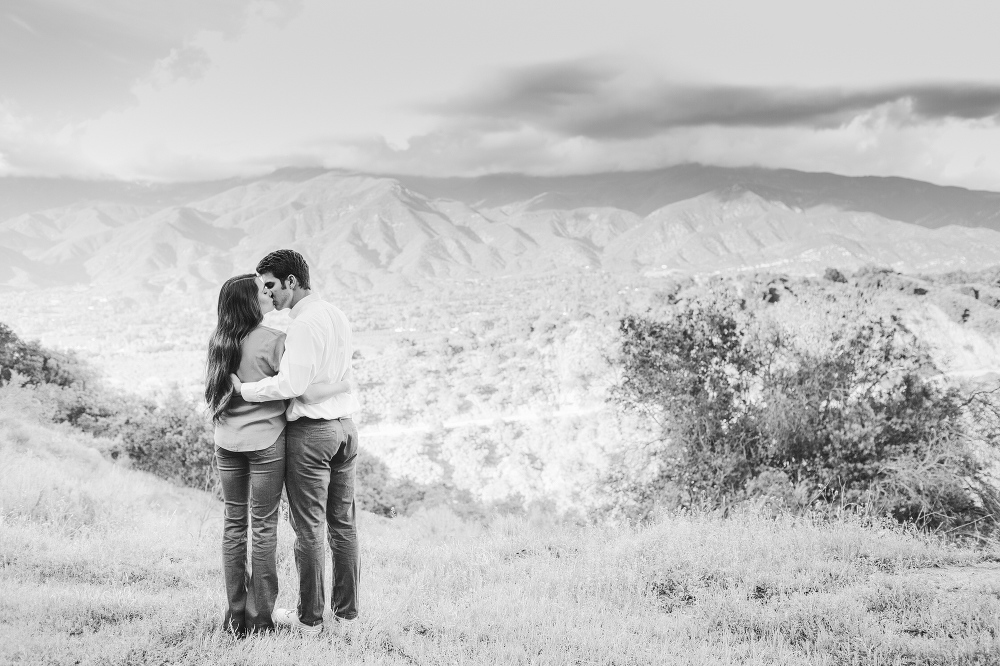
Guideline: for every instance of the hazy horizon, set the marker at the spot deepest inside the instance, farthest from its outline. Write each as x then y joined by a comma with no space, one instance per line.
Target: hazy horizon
194,91
111,179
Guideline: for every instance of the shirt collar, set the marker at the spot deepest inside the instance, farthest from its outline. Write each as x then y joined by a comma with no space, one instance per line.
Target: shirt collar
297,310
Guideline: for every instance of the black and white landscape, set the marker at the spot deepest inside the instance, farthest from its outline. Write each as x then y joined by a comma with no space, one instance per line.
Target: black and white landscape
676,326
365,231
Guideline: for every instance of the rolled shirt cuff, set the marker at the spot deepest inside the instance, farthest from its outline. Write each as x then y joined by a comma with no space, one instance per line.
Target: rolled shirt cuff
249,391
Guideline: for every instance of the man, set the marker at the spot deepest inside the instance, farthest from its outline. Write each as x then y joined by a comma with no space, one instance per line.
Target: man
321,442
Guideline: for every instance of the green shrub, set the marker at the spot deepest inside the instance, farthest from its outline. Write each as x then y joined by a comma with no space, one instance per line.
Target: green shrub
173,440
17,397
378,492
746,409
37,364
834,275
693,372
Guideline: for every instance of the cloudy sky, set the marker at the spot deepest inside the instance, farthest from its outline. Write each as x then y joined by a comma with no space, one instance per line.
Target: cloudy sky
194,89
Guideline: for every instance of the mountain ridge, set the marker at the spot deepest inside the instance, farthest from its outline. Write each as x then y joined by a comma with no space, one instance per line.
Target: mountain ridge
642,191
364,231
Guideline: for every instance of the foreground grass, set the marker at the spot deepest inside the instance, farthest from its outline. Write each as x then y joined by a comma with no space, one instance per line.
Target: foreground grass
100,565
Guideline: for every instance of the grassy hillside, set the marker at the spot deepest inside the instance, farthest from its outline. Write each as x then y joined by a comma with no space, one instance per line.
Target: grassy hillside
104,565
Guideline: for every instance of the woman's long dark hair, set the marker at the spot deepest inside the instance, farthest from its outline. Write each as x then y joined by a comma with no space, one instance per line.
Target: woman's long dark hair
239,313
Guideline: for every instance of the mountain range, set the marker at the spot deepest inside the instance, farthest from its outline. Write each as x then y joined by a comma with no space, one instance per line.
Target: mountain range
374,231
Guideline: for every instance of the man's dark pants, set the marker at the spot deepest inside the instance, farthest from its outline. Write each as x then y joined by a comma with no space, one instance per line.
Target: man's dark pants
251,483
320,465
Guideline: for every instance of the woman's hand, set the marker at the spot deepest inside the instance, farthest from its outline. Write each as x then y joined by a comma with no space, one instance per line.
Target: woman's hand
237,384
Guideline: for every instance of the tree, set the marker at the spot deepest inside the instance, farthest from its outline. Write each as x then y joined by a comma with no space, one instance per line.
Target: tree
35,363
694,373
834,275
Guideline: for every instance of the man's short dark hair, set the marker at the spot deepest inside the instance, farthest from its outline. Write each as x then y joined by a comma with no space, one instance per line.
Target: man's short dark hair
282,263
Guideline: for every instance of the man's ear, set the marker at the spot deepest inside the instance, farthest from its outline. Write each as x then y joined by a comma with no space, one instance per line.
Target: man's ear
292,282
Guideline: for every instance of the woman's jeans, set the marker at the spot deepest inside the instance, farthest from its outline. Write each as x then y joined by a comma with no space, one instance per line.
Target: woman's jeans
322,456
251,480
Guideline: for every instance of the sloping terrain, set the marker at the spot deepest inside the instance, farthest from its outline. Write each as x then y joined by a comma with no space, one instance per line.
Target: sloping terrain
99,564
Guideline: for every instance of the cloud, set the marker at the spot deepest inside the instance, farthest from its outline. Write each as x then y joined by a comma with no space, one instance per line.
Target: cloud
29,150
590,99
578,117
950,151
21,24
65,60
188,62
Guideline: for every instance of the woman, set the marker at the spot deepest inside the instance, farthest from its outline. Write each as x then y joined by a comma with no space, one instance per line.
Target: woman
250,448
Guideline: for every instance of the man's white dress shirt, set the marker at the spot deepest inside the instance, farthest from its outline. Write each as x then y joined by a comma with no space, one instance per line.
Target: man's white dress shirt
318,349
278,320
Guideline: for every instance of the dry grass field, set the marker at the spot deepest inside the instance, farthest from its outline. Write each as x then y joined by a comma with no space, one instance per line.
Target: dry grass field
103,565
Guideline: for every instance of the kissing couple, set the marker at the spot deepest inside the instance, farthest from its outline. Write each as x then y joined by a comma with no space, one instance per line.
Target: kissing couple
279,389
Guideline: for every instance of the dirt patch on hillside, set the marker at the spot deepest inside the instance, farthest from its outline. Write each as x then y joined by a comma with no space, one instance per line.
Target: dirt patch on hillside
970,577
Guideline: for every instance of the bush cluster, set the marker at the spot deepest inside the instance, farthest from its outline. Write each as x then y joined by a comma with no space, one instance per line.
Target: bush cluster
747,410
377,491
172,438
36,364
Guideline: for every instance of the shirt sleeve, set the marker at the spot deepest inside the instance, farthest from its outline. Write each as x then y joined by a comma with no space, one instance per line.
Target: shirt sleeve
297,369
